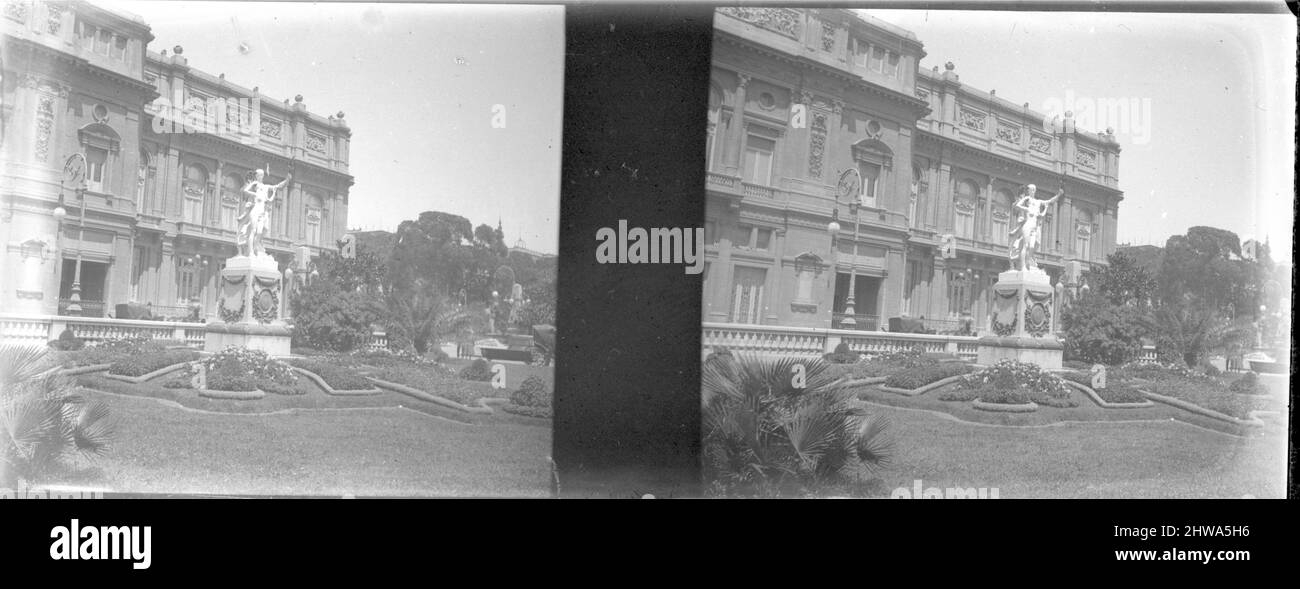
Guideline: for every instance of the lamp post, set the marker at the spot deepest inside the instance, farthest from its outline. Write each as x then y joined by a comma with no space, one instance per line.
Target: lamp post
74,173
833,228
850,185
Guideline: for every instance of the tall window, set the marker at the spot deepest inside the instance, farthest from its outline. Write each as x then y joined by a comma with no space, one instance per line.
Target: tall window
758,160
142,200
715,117
96,168
138,262
315,212
1083,234
1002,202
870,183
913,281
877,59
891,65
195,188
187,280
747,295
232,187
958,292
965,205
860,53
914,196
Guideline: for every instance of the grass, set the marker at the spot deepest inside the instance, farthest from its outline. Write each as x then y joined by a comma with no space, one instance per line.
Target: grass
308,445
1158,459
1213,394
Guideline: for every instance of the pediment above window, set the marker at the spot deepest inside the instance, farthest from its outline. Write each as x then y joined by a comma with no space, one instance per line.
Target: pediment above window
874,151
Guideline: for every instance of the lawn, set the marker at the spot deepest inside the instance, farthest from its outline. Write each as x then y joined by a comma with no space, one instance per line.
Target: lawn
1148,459
173,441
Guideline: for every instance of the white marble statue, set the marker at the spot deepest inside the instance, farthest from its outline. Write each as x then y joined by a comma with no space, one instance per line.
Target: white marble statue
1028,233
254,219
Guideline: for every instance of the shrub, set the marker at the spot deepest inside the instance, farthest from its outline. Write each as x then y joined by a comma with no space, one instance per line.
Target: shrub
1248,384
763,437
67,341
919,377
385,356
842,355
337,377
532,393
42,418
477,370
1211,370
1098,331
142,364
329,318
434,381
891,363
183,380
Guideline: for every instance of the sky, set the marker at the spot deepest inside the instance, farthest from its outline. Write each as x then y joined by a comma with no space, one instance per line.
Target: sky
1217,147
419,86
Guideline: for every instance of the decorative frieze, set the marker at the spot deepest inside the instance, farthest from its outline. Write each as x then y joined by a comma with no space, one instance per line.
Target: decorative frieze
17,10
1040,143
1008,132
271,127
784,21
1086,158
44,125
54,18
817,145
973,119
316,142
828,36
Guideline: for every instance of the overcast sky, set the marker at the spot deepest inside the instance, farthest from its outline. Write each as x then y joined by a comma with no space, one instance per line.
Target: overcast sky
1219,149
417,85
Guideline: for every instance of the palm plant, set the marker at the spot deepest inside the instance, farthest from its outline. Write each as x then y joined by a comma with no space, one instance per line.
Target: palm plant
763,436
1193,331
42,421
421,315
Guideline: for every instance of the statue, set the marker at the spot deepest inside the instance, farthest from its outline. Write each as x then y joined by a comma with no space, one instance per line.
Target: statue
1027,234
253,220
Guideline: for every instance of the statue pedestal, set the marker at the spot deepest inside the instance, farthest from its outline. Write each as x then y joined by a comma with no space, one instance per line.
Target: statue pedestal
1022,321
249,309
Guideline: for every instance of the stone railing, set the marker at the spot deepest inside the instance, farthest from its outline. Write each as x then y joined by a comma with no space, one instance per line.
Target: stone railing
813,342
41,329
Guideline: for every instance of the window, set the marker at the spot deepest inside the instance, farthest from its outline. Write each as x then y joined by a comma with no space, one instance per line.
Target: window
758,160
913,281
96,165
1083,234
715,117
315,212
1002,202
141,179
232,188
891,65
747,295
194,189
103,39
860,53
877,59
870,183
915,195
763,239
138,261
118,51
711,232
965,205
1047,229
741,236
187,281
958,291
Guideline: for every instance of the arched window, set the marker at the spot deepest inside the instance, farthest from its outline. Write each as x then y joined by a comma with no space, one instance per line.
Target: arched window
964,204
874,157
195,189
1002,202
913,196
141,182
315,214
232,196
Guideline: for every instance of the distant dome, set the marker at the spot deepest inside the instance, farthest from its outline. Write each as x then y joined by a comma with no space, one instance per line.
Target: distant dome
519,244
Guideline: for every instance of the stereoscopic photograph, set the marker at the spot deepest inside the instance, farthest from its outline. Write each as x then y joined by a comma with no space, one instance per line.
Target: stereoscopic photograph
278,249
928,274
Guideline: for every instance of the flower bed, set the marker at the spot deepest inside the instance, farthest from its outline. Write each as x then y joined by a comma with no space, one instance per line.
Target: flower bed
916,378
114,350
336,376
142,364
1015,383
435,382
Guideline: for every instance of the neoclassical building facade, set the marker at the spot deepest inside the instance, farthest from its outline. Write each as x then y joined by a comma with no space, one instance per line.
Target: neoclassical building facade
164,150
823,118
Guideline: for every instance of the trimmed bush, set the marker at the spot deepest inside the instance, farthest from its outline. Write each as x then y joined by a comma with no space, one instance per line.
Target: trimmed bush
478,370
435,382
337,377
532,393
842,355
67,341
221,381
919,377
142,364
1248,384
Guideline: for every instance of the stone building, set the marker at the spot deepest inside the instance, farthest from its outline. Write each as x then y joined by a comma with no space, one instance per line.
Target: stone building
164,151
802,101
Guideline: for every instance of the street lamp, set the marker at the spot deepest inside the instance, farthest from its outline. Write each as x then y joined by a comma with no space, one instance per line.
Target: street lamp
74,173
849,186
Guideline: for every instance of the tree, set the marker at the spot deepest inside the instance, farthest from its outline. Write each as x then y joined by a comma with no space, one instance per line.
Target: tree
1098,330
1121,281
327,317
435,248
